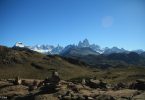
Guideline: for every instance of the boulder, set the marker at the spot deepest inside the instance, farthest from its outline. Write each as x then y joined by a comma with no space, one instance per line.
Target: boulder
14,90
46,80
139,97
68,95
81,97
140,80
119,86
139,85
90,98
45,97
66,98
104,97
32,87
97,84
73,87
85,92
125,93
49,88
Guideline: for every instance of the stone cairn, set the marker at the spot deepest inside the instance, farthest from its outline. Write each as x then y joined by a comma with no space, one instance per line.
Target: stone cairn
17,81
83,82
55,78
52,84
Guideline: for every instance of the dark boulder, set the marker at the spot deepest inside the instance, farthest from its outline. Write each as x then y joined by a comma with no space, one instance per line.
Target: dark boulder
119,86
104,97
96,84
139,85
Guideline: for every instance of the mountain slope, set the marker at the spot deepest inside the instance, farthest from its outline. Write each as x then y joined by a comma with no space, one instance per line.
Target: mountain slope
111,60
114,50
29,64
76,51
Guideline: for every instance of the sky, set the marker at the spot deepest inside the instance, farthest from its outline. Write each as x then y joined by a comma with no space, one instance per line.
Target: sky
107,23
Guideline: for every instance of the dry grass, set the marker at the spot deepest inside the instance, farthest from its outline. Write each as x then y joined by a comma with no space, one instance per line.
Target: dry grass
32,65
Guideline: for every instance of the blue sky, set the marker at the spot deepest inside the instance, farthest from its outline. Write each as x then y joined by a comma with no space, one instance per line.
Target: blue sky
104,22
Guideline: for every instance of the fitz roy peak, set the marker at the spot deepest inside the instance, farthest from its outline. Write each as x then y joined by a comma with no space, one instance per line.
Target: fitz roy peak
94,47
79,48
85,43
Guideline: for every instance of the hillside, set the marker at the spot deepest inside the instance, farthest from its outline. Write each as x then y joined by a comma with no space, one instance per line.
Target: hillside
29,64
75,51
111,60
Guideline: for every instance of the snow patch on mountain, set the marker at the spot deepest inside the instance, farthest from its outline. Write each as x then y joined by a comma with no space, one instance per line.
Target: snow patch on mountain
85,43
19,44
50,49
114,50
42,48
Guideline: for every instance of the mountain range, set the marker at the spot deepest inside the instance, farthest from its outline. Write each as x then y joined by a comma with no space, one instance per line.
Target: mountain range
33,70
72,61
83,48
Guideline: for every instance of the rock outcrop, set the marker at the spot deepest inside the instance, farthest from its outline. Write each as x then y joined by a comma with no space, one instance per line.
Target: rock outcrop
54,88
139,84
97,84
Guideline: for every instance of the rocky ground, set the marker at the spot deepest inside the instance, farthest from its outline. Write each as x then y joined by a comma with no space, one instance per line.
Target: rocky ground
55,89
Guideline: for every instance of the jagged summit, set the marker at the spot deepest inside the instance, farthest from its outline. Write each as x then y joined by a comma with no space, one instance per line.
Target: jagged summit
85,43
50,49
57,49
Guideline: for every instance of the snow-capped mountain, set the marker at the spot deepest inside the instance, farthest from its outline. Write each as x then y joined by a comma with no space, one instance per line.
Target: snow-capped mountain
46,49
42,48
50,49
114,50
139,51
57,50
86,43
68,47
100,50
19,44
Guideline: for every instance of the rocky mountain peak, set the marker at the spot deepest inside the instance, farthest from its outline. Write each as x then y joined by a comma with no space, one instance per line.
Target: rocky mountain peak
85,43
19,44
50,49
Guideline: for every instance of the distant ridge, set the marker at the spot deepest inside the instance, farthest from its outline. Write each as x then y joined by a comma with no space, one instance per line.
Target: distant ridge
50,49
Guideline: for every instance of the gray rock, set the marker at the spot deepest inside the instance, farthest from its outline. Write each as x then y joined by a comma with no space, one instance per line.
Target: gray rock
97,84
67,98
104,97
45,97
119,85
139,85
90,98
139,97
81,97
